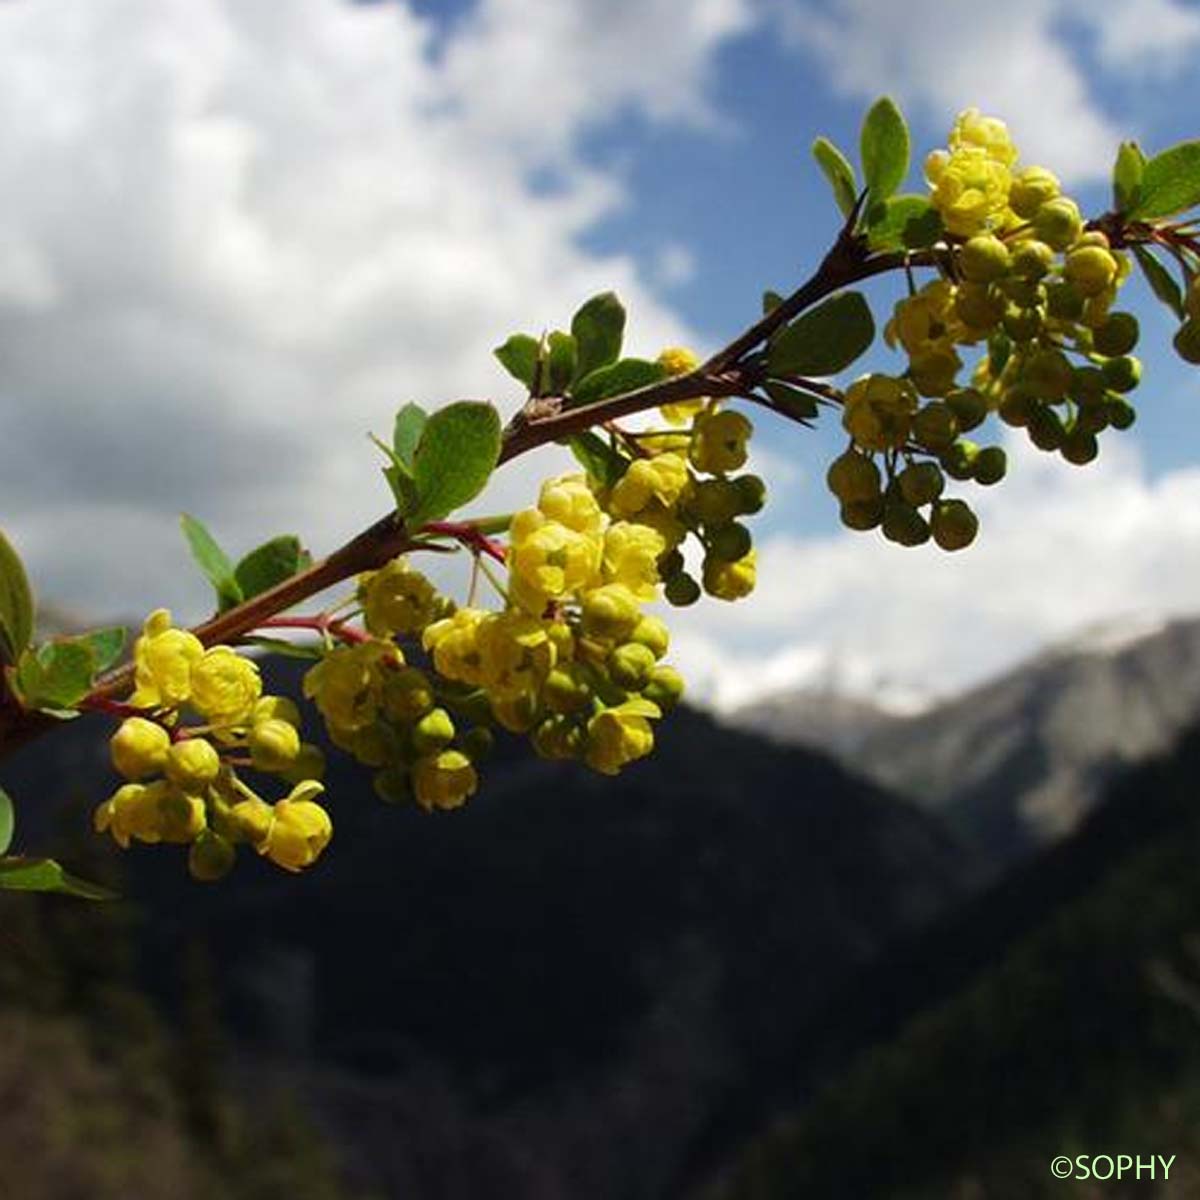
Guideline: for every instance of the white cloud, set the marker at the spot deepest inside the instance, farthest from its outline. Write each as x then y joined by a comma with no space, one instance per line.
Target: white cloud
1012,60
238,233
1060,548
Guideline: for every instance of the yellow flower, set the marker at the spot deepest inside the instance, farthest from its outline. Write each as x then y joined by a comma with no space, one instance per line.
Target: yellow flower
225,686
444,780
970,190
276,708
454,644
926,321
163,658
975,131
569,501
730,580
407,694
549,561
678,360
131,811
516,653
139,748
663,478
181,816
396,599
631,552
347,684
620,735
664,522
719,442
299,829
878,411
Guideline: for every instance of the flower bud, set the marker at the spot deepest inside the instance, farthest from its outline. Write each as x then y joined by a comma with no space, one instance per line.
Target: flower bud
853,476
433,732
630,664
1057,222
921,483
1079,447
664,687
1090,269
983,258
1030,190
990,465
954,525
139,748
274,745
192,764
444,780
210,857
903,524
1187,339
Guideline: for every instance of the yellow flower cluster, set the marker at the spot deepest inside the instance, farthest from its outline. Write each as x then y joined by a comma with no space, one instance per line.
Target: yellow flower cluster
1021,276
182,781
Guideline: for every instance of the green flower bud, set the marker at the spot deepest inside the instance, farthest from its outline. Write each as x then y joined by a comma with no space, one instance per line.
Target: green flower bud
730,542
921,483
1023,324
477,743
1122,374
715,501
1016,406
954,525
990,466
559,739
139,747
278,708
1030,190
652,632
903,524
983,258
751,492
1187,337
1191,302
862,514
1045,428
210,857
1032,260
664,687
393,785
1057,222
433,732
935,426
1120,413
1091,269
1087,385
978,305
567,688
969,406
1063,301
682,590
1047,374
1118,335
407,694
670,564
853,476
1079,447
958,461
1025,293
630,664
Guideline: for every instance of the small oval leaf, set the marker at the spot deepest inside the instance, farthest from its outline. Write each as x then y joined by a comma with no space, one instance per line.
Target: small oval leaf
1128,169
271,563
1162,282
212,560
903,222
45,875
884,148
598,329
837,169
824,340
454,459
519,357
57,675
406,433
618,378
1170,182
16,604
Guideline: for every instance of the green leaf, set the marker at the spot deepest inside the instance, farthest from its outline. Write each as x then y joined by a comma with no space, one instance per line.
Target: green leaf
837,169
16,604
824,340
1127,174
45,875
406,433
883,144
519,357
104,645
212,560
455,457
1162,282
56,675
6,821
790,401
618,378
999,350
598,328
770,302
903,222
1170,182
561,365
604,464
271,563
286,649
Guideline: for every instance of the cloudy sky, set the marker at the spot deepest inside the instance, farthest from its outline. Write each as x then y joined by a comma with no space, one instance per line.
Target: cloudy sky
237,234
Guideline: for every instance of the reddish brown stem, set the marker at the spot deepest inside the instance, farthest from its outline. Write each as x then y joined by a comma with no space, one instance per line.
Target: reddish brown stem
469,535
319,624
